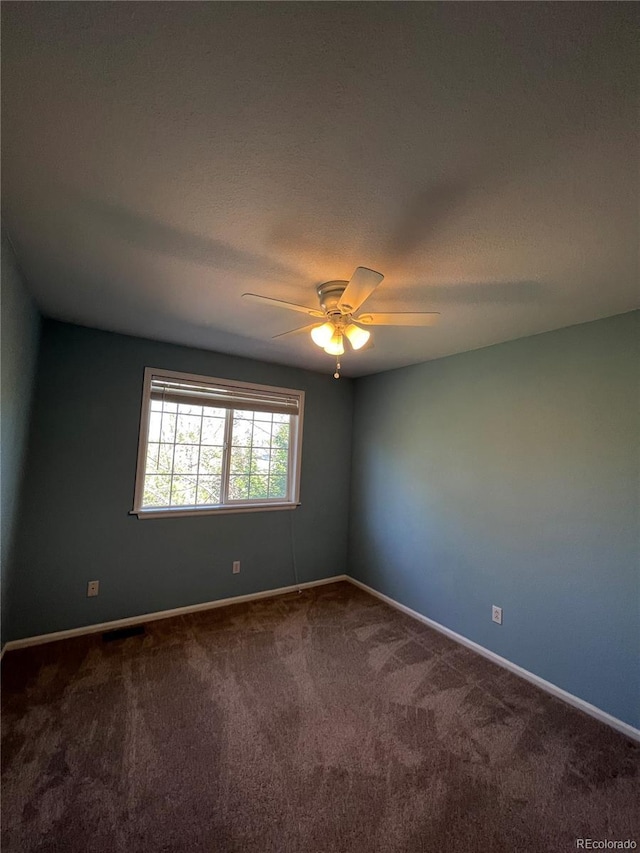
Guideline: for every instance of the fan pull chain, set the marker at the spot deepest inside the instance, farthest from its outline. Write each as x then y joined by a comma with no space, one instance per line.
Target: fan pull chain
336,375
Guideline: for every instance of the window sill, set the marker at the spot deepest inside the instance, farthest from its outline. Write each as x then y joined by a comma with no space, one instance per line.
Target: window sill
218,510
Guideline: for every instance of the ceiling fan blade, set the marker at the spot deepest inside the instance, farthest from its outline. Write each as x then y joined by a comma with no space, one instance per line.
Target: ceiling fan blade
279,303
363,282
297,331
400,318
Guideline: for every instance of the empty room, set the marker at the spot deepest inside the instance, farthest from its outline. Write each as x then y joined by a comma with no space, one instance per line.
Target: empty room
320,427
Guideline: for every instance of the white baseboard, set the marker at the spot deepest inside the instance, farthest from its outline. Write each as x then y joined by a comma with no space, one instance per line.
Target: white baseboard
162,614
558,692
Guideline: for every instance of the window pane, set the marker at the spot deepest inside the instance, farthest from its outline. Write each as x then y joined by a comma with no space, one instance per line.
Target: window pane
154,426
210,461
238,488
188,429
242,429
281,435
261,434
159,458
185,460
213,430
208,490
168,427
262,416
279,462
258,487
184,409
214,412
156,490
277,487
240,460
260,462
260,452
183,491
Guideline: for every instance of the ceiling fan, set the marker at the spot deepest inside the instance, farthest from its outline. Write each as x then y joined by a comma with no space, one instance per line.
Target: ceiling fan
340,302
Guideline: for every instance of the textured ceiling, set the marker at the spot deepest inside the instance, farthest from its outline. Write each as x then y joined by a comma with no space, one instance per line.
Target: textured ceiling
161,159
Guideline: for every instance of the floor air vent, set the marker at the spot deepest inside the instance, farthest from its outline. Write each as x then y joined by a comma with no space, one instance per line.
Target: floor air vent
123,633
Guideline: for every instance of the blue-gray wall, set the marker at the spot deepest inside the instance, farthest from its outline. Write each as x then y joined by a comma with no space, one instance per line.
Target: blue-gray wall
20,329
75,525
510,476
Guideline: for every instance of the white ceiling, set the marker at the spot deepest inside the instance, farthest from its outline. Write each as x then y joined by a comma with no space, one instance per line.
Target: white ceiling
161,159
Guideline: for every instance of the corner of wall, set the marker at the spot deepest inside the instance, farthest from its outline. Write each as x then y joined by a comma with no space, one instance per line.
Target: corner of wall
20,340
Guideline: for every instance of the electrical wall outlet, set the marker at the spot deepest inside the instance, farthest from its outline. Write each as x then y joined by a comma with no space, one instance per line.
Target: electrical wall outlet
93,588
496,614
236,567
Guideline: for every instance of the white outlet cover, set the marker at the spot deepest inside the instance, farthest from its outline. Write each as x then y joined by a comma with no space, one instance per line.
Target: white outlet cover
496,614
93,587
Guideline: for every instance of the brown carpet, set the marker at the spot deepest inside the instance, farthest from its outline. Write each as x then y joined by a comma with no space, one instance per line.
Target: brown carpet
324,721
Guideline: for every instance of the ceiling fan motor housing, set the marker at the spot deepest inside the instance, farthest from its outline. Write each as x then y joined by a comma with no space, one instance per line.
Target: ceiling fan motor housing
329,295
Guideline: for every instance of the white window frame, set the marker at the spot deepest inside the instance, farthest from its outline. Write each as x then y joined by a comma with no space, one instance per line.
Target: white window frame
295,450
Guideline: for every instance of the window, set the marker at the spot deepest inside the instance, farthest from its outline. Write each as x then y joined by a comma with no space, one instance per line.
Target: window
212,445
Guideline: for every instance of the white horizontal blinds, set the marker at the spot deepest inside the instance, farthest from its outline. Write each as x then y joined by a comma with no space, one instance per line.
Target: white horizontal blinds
223,396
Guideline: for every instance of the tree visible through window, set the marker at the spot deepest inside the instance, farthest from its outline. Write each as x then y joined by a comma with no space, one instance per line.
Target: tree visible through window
211,445
259,455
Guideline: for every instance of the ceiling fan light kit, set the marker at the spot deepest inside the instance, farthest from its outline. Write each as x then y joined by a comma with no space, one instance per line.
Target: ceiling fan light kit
329,336
357,337
339,303
321,335
335,345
